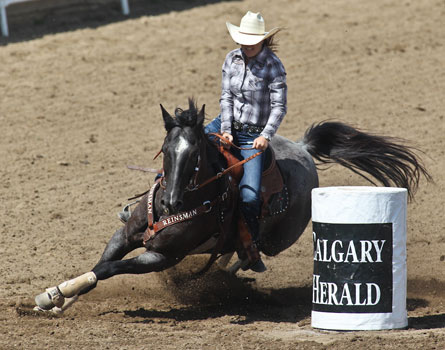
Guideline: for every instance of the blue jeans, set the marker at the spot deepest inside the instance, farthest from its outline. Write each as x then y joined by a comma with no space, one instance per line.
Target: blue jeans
250,184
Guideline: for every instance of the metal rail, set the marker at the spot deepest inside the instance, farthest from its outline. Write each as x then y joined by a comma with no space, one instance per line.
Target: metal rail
5,3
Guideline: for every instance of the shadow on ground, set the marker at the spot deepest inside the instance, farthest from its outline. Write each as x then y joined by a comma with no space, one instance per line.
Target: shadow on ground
427,322
219,294
34,19
280,305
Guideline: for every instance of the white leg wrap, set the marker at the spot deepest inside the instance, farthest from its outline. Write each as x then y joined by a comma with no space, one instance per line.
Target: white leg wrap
50,308
55,296
49,298
73,287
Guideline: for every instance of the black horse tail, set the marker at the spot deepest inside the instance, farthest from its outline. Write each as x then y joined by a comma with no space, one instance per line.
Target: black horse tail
387,159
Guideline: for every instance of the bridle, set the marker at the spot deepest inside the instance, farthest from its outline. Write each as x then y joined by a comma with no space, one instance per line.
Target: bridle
193,185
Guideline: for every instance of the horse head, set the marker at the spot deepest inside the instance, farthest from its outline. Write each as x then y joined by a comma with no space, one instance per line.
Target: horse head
181,151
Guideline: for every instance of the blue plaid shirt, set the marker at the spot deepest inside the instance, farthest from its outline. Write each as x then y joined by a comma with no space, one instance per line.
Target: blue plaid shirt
256,94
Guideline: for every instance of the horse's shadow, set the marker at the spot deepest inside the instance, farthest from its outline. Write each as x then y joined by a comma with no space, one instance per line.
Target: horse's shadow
246,304
221,294
277,305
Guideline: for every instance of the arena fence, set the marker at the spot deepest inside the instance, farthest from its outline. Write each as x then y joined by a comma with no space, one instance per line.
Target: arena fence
5,3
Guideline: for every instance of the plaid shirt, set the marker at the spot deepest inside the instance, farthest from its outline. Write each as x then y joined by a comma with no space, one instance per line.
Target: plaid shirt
255,94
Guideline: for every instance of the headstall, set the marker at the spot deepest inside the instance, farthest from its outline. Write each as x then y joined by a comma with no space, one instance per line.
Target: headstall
206,207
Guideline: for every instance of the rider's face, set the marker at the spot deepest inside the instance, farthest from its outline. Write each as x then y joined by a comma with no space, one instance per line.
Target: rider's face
252,50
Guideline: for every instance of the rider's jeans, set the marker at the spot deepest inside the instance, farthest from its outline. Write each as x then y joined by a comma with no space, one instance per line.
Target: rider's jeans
250,184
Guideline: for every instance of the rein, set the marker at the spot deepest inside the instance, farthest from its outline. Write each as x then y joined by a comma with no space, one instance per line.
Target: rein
225,171
206,207
230,143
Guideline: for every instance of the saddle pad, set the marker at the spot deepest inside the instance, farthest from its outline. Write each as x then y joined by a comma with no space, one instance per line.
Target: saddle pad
276,204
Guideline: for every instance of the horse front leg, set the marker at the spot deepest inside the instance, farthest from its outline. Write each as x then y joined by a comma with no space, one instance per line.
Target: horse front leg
57,299
124,240
146,262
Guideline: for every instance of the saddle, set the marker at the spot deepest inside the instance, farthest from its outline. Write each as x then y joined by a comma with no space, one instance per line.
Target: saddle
274,194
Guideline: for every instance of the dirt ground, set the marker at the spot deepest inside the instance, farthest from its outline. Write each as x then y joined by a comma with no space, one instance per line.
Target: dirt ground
80,88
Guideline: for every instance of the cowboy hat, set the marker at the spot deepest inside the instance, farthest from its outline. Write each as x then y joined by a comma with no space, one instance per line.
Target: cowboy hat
251,31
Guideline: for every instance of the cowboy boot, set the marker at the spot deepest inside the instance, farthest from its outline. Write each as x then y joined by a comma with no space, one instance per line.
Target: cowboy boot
250,252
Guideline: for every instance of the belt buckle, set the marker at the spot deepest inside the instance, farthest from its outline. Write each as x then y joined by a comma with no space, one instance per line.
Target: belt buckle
254,129
237,125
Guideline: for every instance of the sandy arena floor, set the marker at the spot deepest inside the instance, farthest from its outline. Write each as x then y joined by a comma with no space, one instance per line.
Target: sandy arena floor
80,88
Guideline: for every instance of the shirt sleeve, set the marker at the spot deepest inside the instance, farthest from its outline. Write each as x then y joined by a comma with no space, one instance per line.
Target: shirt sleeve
226,100
278,101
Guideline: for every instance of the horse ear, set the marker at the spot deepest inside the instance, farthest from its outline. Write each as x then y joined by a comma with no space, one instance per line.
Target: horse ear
201,116
169,122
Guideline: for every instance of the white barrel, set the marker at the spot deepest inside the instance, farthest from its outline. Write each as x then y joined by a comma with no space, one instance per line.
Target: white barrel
359,280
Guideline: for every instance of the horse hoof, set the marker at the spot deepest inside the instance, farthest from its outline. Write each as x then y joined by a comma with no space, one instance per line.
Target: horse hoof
55,310
43,302
258,266
49,299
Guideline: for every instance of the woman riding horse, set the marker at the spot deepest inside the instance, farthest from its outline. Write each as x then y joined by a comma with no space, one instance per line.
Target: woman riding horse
253,104
189,210
184,212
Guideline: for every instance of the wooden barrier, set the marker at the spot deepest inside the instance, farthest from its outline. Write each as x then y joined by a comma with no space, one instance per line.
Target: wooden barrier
5,3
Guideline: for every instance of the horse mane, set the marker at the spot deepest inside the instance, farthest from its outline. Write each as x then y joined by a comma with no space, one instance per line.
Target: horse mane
187,117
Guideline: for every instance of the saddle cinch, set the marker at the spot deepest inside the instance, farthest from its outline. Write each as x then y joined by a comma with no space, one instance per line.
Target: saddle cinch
274,194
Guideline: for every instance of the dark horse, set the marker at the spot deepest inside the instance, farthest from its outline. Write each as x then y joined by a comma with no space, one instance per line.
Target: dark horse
188,212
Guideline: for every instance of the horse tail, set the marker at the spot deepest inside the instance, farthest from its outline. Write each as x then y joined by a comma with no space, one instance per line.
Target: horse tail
387,159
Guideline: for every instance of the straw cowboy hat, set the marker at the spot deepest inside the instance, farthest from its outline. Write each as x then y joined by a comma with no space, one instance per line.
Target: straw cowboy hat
251,31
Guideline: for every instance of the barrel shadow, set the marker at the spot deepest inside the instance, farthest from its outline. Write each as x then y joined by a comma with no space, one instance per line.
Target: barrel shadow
427,322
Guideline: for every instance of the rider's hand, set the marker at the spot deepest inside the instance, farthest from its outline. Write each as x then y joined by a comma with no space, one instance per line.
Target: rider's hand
229,138
260,143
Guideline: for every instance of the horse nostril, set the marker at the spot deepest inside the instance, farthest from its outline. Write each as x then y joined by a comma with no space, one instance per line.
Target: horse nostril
164,206
178,205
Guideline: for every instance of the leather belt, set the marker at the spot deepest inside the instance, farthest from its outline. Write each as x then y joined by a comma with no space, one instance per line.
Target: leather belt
238,126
